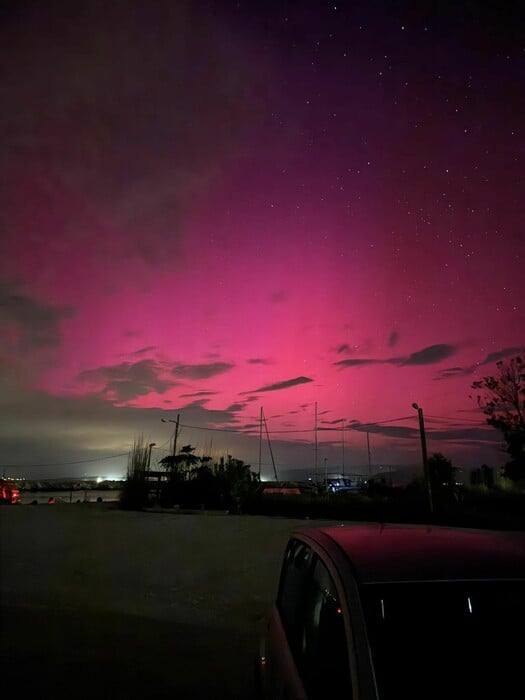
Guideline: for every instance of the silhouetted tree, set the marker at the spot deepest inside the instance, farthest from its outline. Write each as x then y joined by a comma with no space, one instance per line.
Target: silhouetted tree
440,471
181,465
237,482
502,400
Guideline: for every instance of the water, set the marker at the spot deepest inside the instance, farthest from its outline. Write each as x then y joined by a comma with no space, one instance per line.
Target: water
85,496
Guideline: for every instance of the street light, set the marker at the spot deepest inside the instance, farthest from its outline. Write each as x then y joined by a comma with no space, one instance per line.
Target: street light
152,444
176,433
424,453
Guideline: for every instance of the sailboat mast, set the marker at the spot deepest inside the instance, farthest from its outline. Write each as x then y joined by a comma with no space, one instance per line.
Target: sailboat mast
270,447
260,440
343,445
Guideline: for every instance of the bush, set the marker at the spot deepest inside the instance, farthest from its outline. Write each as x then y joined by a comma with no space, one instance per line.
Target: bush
134,494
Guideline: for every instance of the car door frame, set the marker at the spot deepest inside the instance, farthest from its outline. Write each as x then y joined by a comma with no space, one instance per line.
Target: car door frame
364,686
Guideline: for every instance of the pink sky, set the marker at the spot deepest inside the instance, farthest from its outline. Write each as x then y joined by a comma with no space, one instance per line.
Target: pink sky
208,215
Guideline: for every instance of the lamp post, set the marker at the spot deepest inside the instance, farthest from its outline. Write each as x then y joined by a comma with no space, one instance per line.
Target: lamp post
424,453
152,444
175,435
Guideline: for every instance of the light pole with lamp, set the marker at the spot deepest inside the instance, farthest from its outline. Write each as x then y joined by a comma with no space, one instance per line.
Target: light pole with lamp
424,453
152,444
175,435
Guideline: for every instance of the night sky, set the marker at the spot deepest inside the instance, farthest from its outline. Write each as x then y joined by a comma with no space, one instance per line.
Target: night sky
211,207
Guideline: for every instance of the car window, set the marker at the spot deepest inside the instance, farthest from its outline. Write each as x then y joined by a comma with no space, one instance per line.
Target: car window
313,622
293,589
446,639
323,654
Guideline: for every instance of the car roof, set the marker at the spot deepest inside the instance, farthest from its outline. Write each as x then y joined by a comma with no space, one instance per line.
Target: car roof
381,553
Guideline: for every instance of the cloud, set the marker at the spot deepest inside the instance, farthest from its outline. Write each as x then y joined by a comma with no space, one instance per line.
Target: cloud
465,435
198,393
427,356
501,354
430,355
236,407
259,361
143,351
343,348
452,372
395,431
27,324
357,362
491,358
202,371
281,385
127,380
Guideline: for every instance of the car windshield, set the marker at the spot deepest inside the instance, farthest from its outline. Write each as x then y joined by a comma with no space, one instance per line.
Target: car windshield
446,639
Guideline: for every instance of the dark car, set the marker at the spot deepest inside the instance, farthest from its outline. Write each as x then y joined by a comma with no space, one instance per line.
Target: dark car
396,612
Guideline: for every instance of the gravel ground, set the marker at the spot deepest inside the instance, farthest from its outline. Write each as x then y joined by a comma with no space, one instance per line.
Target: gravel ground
135,605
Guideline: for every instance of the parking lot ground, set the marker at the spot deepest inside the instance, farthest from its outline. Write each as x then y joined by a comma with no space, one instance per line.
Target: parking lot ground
98,602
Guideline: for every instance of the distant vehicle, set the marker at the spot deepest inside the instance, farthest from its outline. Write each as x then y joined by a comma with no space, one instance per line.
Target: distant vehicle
9,492
337,483
383,612
341,484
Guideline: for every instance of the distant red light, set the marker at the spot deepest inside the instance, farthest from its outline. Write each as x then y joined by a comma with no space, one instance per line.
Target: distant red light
9,493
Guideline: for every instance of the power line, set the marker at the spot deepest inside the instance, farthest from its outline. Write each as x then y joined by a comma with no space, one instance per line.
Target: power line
457,420
358,426
248,431
67,464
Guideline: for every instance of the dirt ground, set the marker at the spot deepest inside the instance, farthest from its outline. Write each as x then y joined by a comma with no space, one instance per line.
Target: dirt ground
98,602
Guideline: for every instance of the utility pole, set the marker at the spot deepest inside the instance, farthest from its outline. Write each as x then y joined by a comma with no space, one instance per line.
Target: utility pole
175,436
152,444
424,453
369,459
315,438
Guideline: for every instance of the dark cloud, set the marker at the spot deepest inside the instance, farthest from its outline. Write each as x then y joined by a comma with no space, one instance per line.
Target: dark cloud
427,356
198,393
452,372
430,355
202,371
143,351
393,339
235,407
357,362
281,385
342,348
501,354
27,324
474,434
127,380
258,361
394,431
466,435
